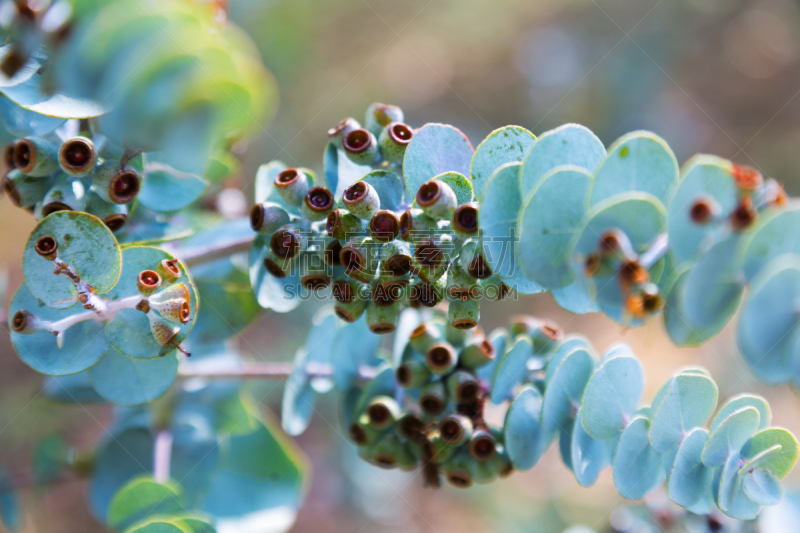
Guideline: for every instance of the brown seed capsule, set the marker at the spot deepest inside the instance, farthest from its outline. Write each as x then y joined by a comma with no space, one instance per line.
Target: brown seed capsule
47,247
124,186
25,155
285,243
592,265
77,156
8,157
410,427
169,269
115,221
429,253
10,190
632,273
482,445
148,281
747,178
343,292
315,281
384,226
465,218
274,268
19,321
318,202
357,141
701,212
287,178
343,128
332,253
357,434
441,358
744,215
459,479
478,268
609,243
428,193
401,133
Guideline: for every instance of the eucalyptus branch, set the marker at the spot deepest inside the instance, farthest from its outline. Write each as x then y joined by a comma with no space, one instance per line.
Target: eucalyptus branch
204,254
266,371
162,455
105,311
659,248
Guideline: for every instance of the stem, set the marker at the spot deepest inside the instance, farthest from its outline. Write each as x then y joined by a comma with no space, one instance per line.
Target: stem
267,371
204,254
19,481
104,312
655,252
162,455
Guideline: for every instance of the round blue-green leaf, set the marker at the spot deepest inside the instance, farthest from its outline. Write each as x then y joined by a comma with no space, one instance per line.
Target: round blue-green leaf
729,436
589,456
570,144
714,288
689,479
156,525
166,189
340,172
499,341
739,401
773,236
702,177
128,382
512,369
762,487
85,244
570,342
83,343
20,122
728,491
195,450
265,180
684,402
503,145
120,457
565,388
638,468
761,449
74,388
389,187
642,218
768,321
575,298
299,398
129,330
637,161
497,220
352,347
141,498
434,149
679,329
259,474
383,384
278,294
319,348
525,438
550,219
460,185
612,396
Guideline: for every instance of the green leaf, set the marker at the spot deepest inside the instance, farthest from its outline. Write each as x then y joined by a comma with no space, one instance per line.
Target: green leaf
20,122
512,369
589,456
129,382
638,468
156,525
129,330
525,438
570,144
261,474
121,456
299,398
689,479
389,187
166,189
638,215
686,401
434,149
773,236
768,324
74,388
460,185
702,177
762,487
565,386
503,145
141,498
728,491
779,462
575,298
278,294
354,346
550,219
728,437
83,346
265,180
612,396
739,401
497,220
340,172
85,244
637,161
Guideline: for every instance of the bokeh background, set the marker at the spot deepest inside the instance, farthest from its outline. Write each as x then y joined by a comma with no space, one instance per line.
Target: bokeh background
719,76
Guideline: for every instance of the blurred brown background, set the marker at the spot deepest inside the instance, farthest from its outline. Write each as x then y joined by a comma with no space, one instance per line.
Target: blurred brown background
718,76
